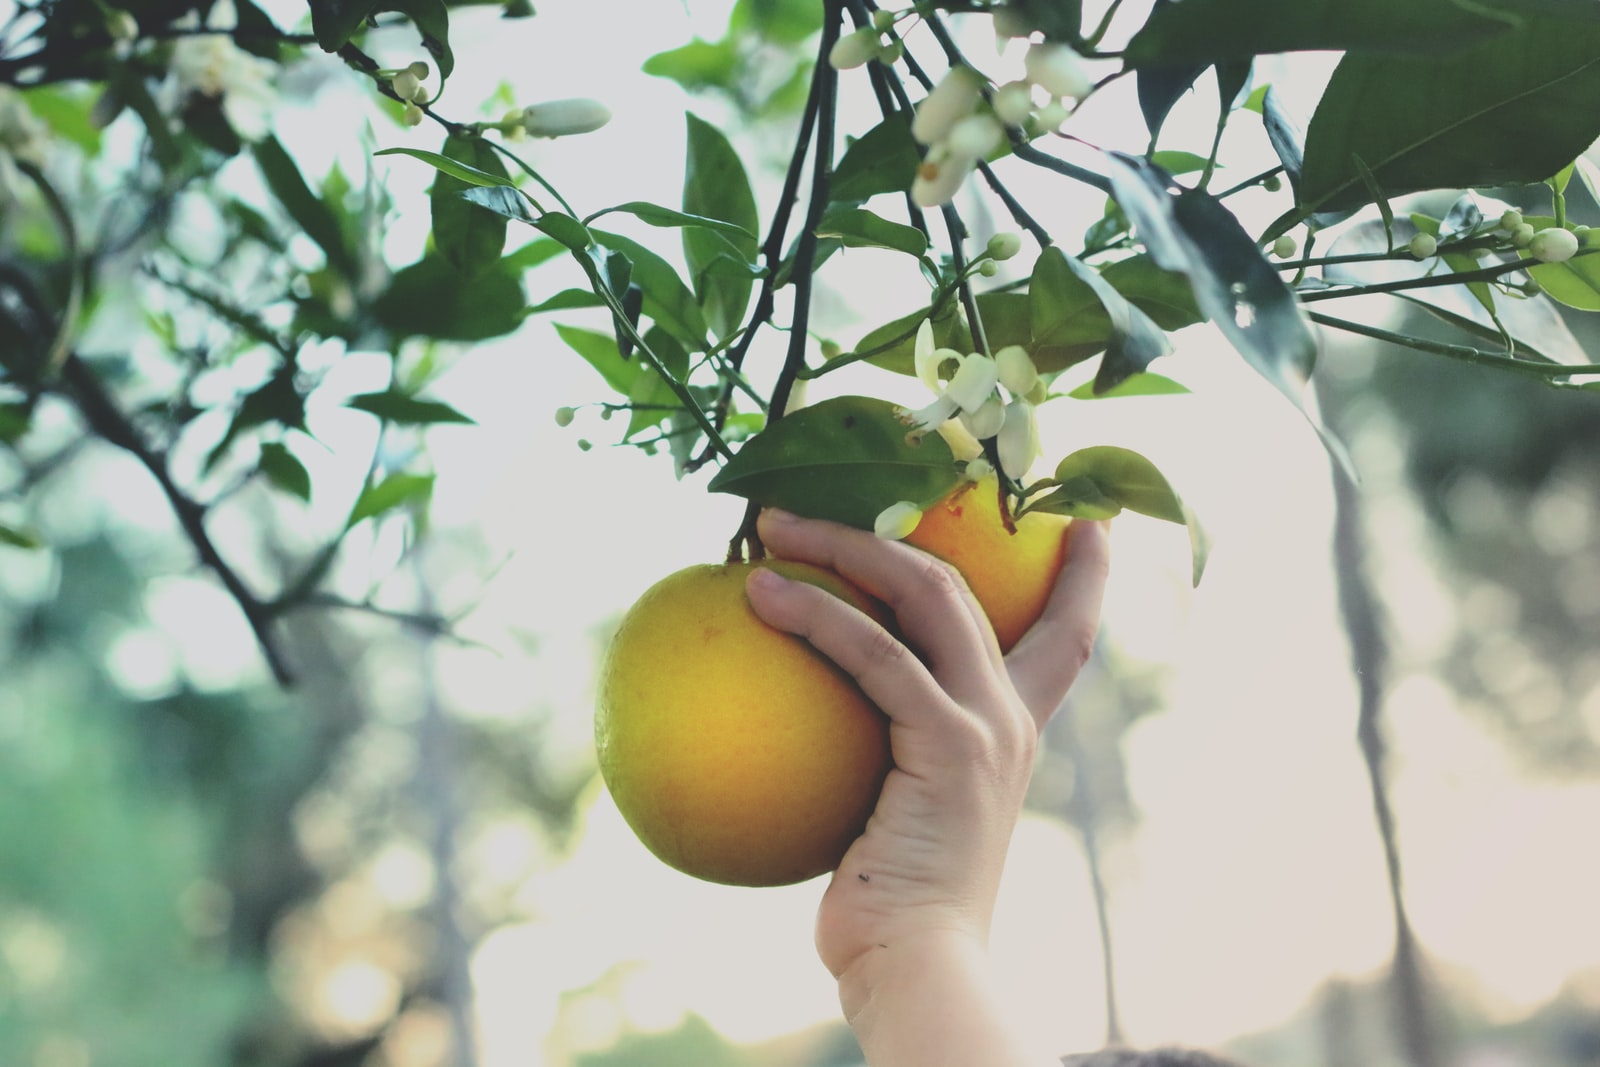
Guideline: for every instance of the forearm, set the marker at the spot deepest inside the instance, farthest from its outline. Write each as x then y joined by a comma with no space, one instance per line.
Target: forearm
930,1002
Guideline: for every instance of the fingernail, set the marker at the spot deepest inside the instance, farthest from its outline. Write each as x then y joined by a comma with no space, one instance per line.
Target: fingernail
767,578
779,515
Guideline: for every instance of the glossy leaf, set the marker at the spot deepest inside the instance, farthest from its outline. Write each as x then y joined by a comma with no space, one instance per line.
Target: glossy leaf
464,234
1575,283
844,459
882,160
392,492
1143,384
1234,286
284,470
715,185
1506,112
600,351
431,298
856,227
656,215
432,20
1206,31
406,410
566,300
1164,295
457,169
1134,341
667,299
1005,319
1098,482
333,21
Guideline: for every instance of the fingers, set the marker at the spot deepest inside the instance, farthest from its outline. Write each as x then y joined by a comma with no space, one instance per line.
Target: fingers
1050,655
935,611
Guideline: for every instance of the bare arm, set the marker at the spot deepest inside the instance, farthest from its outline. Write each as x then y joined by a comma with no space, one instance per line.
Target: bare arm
904,924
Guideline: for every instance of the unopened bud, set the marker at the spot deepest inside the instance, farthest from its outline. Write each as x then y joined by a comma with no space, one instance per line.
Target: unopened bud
1004,245
988,268
1553,245
1423,245
405,85
897,521
412,115
420,69
1272,183
987,420
975,136
854,49
1051,117
1016,370
1284,246
584,444
1013,103
1018,440
882,20
831,350
1510,219
1058,70
1521,235
561,118
564,416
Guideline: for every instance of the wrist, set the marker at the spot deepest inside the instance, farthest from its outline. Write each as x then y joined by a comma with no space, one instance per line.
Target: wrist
929,999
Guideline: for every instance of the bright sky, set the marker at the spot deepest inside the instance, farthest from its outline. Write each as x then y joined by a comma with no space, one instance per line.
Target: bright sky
1255,873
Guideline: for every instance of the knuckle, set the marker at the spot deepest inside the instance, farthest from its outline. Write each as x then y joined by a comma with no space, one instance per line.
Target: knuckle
883,648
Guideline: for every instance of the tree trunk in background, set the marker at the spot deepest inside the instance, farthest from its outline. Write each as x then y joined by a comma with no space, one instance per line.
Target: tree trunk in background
1358,603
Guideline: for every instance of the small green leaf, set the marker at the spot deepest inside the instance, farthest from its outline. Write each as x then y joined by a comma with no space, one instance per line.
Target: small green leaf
462,172
406,410
1132,342
566,229
697,65
15,538
599,350
715,185
656,215
856,227
844,459
333,21
566,300
393,491
882,160
1145,383
1098,482
283,470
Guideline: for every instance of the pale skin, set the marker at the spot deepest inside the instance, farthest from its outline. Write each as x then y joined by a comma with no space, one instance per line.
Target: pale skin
904,924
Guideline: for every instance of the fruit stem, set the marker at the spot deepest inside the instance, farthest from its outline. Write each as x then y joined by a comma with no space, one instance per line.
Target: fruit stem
746,543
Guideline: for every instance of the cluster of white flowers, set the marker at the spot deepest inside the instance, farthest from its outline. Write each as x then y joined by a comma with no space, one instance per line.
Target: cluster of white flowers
866,44
959,130
210,64
1553,244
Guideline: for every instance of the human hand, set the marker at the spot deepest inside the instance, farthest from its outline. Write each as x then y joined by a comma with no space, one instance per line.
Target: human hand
964,723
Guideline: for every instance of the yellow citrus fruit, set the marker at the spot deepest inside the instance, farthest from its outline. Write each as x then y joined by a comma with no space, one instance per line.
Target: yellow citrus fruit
1010,574
738,753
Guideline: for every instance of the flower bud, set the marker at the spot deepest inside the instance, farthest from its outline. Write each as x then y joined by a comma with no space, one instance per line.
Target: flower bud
560,118
953,99
978,468
1013,103
830,350
1051,117
1016,370
1510,219
975,136
420,69
564,416
405,85
1285,246
412,115
1423,245
1018,440
897,521
1058,70
1003,246
890,53
1272,183
1011,22
854,49
1521,235
584,444
1553,245
882,20
988,268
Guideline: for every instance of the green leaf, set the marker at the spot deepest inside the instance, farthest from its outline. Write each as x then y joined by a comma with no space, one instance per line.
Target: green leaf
656,215
715,186
844,459
566,300
856,227
392,492
1134,341
69,112
432,20
1098,482
1164,295
283,470
431,298
566,229
462,172
1207,31
1509,111
406,410
882,160
468,237
15,538
333,21
697,65
1143,384
1005,319
599,350
536,252
667,299
310,211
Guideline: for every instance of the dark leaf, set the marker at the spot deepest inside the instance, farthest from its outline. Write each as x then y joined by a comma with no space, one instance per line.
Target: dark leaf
566,300
844,459
467,236
656,215
1160,88
882,160
667,299
283,470
1284,132
431,298
466,174
406,410
1206,31
506,202
432,20
1135,341
310,211
715,185
333,21
856,227
1510,111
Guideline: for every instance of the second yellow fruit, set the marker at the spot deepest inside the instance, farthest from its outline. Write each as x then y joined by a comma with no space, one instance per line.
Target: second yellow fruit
1010,574
736,752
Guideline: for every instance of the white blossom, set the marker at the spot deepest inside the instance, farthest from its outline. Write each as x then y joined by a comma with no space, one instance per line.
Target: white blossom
1058,70
938,180
953,99
987,420
1016,369
854,49
1553,245
1018,440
